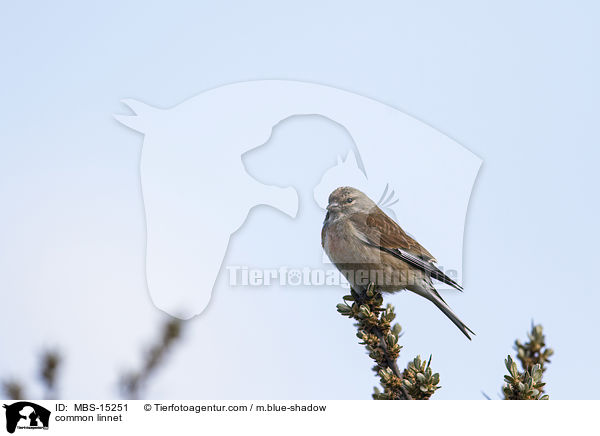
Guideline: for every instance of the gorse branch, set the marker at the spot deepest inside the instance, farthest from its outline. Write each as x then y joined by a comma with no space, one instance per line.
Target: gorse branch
534,352
420,380
375,330
533,355
525,385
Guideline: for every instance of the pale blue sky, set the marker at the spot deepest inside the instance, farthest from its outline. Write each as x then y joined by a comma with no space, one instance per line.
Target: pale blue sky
514,82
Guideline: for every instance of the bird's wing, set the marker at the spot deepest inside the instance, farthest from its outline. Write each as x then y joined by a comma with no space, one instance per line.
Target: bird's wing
382,231
379,230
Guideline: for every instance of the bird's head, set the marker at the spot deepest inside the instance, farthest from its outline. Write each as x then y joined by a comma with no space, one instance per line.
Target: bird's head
345,201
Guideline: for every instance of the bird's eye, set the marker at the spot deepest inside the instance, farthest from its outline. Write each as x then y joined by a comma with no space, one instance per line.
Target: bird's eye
350,200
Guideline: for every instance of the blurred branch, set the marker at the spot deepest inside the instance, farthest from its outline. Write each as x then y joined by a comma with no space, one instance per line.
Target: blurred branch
13,390
381,341
133,383
50,363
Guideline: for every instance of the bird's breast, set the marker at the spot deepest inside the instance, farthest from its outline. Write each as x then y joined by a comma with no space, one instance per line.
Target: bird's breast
340,242
362,263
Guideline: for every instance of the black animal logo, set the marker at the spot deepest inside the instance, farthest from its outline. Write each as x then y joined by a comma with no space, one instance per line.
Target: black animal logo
37,416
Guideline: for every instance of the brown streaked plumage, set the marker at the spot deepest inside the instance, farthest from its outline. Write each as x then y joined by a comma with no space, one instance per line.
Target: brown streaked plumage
366,245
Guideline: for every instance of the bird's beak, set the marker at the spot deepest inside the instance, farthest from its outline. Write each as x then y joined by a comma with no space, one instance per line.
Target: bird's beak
333,206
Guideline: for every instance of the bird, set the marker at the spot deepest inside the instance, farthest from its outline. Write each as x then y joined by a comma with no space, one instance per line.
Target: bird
367,246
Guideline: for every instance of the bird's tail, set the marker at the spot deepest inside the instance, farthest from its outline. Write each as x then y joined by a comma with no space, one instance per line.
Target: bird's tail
432,295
